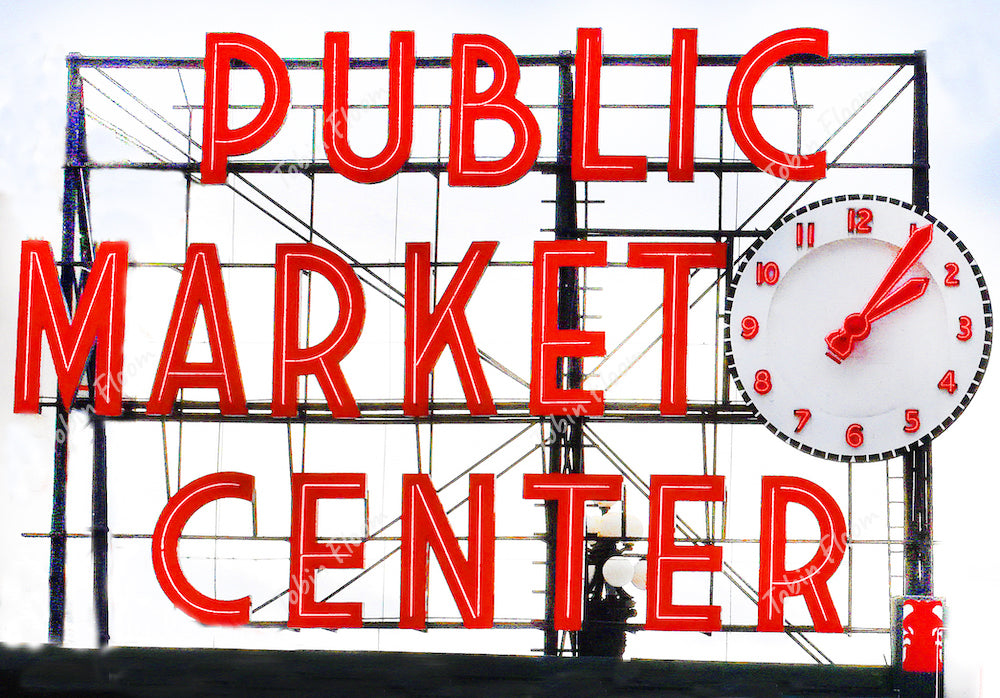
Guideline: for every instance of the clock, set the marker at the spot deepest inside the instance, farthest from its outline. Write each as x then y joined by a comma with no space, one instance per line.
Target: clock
858,327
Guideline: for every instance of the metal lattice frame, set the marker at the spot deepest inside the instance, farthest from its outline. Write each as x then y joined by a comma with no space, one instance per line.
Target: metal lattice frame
561,442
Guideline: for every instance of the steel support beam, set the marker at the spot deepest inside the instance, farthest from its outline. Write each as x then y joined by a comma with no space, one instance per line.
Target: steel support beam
565,58
99,460
918,510
917,472
565,433
67,279
76,233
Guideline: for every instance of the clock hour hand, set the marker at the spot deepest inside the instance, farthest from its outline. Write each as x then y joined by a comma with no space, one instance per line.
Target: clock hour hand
908,292
884,300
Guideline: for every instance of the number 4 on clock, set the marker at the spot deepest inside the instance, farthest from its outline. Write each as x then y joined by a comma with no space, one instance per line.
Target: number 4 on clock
948,383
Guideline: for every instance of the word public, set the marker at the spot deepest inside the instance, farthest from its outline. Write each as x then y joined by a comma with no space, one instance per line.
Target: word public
471,577
497,102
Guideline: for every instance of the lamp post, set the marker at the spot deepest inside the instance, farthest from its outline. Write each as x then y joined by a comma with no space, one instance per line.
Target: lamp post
607,606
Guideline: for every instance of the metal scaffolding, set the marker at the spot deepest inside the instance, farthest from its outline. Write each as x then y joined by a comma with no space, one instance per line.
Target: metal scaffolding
158,141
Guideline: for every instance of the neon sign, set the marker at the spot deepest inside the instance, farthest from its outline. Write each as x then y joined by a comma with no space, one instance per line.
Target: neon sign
432,325
471,577
497,102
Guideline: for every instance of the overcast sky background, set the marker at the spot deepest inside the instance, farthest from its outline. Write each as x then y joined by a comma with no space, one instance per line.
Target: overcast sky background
960,38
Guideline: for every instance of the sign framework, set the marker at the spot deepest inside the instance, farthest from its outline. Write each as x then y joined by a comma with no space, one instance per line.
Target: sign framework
565,442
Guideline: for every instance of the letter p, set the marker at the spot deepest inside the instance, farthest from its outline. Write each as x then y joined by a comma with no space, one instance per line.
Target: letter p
219,140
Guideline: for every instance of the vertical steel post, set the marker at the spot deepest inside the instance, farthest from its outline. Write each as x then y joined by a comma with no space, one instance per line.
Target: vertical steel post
566,435
76,224
57,533
99,535
917,472
99,487
570,370
918,528
917,503
67,278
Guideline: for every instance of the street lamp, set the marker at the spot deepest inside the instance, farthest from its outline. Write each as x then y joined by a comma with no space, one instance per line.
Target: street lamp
607,606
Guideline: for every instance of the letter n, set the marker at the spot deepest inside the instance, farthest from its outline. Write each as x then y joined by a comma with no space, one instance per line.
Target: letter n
426,524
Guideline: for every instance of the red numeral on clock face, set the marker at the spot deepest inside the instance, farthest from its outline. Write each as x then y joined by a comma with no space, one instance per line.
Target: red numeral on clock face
912,421
859,221
948,383
964,328
750,327
803,416
855,436
762,382
810,234
951,274
767,273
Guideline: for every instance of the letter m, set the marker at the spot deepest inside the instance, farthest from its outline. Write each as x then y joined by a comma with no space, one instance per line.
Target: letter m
99,319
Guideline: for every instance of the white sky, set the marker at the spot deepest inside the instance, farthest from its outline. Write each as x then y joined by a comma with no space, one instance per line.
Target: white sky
961,41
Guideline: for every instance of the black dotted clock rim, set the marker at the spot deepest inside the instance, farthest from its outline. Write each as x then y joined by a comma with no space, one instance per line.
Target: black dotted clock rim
751,251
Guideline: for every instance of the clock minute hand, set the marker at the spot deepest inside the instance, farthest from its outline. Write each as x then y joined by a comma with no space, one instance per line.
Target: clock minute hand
907,257
884,300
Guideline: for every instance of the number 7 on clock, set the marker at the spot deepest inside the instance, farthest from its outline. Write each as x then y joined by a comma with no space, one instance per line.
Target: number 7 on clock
803,416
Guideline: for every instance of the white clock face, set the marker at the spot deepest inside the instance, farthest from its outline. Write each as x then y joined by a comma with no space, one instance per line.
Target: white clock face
858,327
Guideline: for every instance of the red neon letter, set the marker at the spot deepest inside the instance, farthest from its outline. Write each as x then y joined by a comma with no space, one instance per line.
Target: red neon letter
201,287
402,63
166,536
99,316
470,580
323,359
677,260
739,105
572,493
498,101
810,580
588,165
683,64
220,141
665,557
308,555
548,342
427,333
